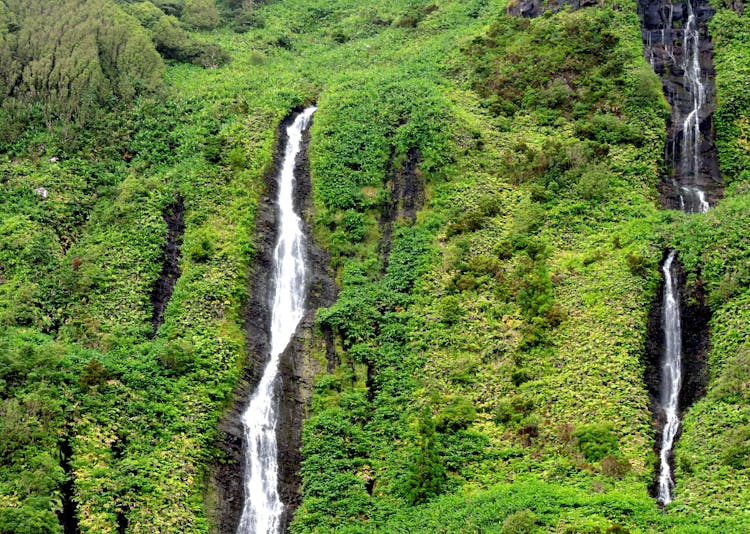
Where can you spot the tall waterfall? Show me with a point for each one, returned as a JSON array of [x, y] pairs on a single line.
[[262, 509], [671, 376], [692, 196], [677, 46]]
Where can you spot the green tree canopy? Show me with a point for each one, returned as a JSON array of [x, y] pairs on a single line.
[[74, 56], [200, 14]]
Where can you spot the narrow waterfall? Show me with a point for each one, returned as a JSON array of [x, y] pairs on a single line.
[[677, 46], [263, 507], [676, 43], [692, 196], [671, 376]]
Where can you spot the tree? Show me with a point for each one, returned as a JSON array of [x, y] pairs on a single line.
[[74, 57], [200, 14], [426, 474]]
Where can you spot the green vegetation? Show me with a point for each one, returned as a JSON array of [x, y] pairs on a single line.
[[72, 58], [490, 338]]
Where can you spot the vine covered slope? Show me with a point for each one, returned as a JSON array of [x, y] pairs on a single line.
[[486, 187]]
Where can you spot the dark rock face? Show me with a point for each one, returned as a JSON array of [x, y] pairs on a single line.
[[536, 8], [695, 316], [407, 197], [297, 366], [170, 271], [669, 46]]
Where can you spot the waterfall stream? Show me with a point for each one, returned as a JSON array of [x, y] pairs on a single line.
[[671, 376], [676, 45], [263, 508]]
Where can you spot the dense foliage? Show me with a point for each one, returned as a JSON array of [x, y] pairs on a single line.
[[486, 188], [73, 57]]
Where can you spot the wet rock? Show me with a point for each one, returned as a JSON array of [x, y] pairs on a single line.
[[407, 197], [170, 272], [666, 47], [694, 316]]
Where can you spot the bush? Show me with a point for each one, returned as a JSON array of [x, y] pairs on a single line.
[[594, 182], [521, 522], [637, 264], [201, 247], [597, 441], [513, 410], [426, 475], [733, 385], [94, 375], [456, 416], [200, 14], [615, 467], [355, 225], [450, 310], [737, 452], [176, 357]]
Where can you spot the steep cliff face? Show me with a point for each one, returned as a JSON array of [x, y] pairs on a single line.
[[671, 50]]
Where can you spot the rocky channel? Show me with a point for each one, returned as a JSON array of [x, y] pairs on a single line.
[[299, 363]]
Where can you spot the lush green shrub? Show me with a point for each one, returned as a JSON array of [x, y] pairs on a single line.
[[426, 475], [737, 452], [176, 356], [94, 375], [459, 414], [597, 441], [200, 14], [521, 522], [615, 467]]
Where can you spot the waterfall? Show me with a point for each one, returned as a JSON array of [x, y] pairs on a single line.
[[691, 67], [676, 45], [692, 197], [671, 376], [262, 510]]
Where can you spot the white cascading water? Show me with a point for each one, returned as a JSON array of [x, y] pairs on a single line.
[[692, 199], [694, 85], [262, 509], [671, 376]]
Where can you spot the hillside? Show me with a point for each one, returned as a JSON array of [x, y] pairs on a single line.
[[486, 191]]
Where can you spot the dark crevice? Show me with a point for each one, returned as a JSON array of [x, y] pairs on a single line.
[[332, 359], [174, 216], [406, 198], [122, 522], [118, 447], [68, 514]]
